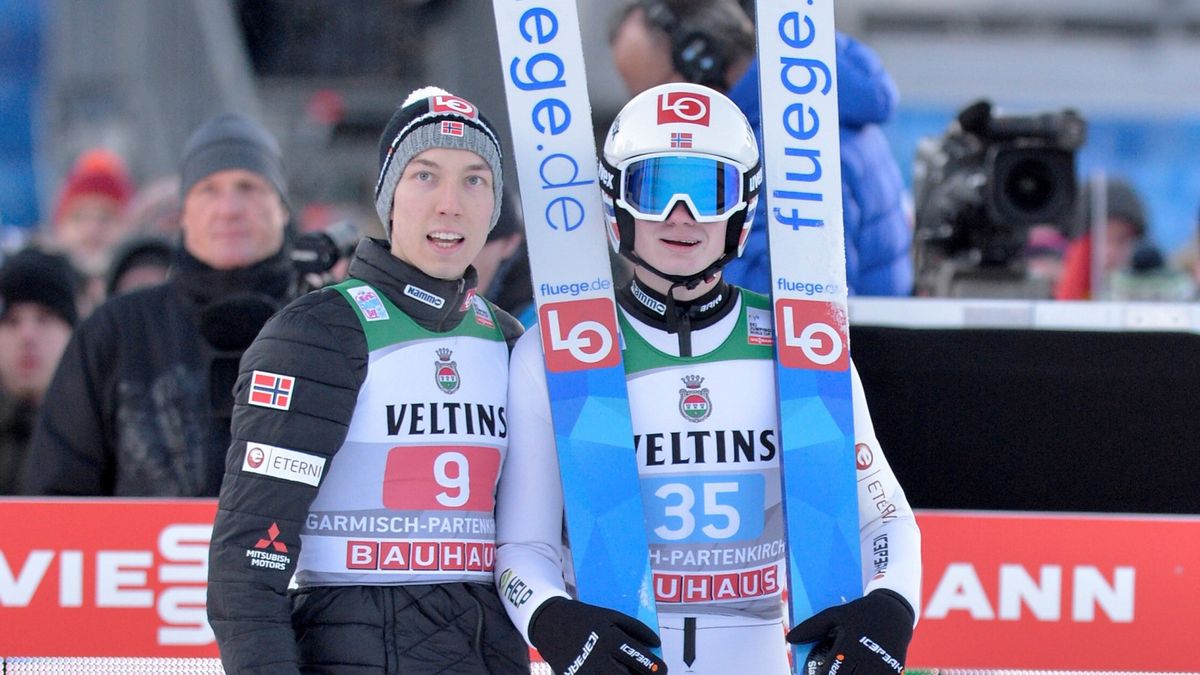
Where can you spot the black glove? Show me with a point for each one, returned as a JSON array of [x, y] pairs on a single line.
[[593, 640], [867, 636]]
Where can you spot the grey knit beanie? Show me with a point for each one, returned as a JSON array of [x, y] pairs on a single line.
[[433, 118], [232, 141]]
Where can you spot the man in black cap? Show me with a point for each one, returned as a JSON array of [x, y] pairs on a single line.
[[38, 310], [369, 434], [143, 395]]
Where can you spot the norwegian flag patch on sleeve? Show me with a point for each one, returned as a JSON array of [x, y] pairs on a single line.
[[270, 390]]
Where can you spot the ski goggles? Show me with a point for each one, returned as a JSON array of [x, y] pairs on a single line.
[[713, 189]]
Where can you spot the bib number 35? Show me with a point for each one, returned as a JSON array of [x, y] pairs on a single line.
[[694, 509]]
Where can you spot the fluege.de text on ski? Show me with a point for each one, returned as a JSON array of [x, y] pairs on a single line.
[[802, 122]]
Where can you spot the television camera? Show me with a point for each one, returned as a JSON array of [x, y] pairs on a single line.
[[980, 187]]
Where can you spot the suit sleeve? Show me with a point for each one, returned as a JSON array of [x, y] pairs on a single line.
[[71, 451], [316, 341], [529, 505], [890, 538]]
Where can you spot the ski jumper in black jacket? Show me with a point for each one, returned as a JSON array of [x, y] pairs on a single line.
[[385, 583]]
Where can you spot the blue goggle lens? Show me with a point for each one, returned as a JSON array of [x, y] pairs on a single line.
[[652, 186]]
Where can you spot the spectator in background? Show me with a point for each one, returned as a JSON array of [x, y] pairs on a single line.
[[140, 262], [90, 217], [143, 396], [38, 309], [155, 207], [878, 236], [1123, 220]]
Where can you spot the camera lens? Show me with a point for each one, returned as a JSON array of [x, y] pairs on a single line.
[[1029, 184]]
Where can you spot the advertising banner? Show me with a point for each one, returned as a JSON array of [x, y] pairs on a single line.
[[125, 578], [1069, 592], [105, 577]]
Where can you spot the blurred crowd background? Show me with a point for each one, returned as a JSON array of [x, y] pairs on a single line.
[[134, 77]]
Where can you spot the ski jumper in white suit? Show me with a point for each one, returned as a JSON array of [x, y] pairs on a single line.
[[706, 432]]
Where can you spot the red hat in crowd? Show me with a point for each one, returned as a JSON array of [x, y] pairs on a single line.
[[96, 172]]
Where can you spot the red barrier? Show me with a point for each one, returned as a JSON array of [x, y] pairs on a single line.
[[1000, 590], [1044, 591], [136, 568]]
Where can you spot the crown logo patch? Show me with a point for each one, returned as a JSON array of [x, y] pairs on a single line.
[[446, 371], [694, 404]]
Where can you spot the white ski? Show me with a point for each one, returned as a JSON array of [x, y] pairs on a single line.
[[555, 152], [796, 51]]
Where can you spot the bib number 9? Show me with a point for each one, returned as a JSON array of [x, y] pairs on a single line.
[[459, 483], [693, 509], [440, 478]]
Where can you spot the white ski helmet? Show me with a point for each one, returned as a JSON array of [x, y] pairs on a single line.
[[680, 142]]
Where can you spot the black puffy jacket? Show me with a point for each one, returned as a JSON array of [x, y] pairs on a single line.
[[140, 403], [456, 628]]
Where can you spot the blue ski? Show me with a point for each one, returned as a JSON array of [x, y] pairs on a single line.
[[555, 152], [796, 51]]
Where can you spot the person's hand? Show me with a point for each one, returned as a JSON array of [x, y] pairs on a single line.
[[593, 640], [867, 636]]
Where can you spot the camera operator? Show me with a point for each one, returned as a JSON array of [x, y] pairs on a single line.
[[1110, 212], [143, 396], [980, 189]]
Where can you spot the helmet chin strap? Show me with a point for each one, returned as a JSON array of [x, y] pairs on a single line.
[[687, 281], [680, 323]]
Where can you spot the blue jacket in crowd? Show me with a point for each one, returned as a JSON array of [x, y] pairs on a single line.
[[878, 237]]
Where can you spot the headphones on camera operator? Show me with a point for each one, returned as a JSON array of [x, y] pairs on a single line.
[[694, 53]]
